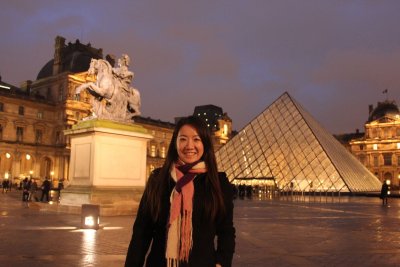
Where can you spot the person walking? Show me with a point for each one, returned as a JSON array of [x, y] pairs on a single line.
[[46, 186], [5, 185], [25, 189], [32, 190], [384, 193], [185, 205]]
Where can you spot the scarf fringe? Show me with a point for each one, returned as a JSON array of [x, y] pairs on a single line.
[[172, 263], [179, 229]]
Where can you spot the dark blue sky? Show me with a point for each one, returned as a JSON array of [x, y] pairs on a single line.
[[334, 57]]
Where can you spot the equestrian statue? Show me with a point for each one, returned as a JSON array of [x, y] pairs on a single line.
[[113, 97]]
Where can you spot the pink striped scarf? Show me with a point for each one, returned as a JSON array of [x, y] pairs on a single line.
[[179, 229]]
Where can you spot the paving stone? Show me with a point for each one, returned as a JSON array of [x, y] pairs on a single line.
[[350, 231]]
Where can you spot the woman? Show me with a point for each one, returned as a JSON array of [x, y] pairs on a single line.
[[185, 205]]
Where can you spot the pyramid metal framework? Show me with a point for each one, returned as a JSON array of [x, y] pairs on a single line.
[[287, 144]]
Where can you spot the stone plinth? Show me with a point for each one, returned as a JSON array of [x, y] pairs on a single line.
[[107, 166]]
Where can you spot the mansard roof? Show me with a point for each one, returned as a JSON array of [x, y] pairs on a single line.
[[75, 57], [384, 109]]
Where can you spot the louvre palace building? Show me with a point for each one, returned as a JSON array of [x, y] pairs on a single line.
[[283, 147], [379, 148], [34, 116]]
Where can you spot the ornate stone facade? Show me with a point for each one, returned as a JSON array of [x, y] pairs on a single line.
[[379, 148], [33, 118]]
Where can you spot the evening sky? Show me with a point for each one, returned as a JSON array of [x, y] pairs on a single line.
[[334, 57]]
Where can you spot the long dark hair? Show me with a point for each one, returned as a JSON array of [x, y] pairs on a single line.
[[214, 203]]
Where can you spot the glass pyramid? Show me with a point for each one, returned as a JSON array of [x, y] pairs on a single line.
[[286, 144]]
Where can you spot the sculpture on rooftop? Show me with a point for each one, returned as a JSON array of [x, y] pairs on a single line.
[[114, 98]]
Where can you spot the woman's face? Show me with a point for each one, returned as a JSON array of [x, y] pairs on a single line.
[[189, 145]]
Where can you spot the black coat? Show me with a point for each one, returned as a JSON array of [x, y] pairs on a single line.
[[203, 253]]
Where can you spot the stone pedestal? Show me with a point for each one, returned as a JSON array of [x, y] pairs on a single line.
[[107, 167]]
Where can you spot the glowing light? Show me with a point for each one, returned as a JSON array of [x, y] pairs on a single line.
[[89, 221], [28, 157], [8, 155]]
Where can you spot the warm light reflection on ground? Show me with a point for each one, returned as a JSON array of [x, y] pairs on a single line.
[[88, 247]]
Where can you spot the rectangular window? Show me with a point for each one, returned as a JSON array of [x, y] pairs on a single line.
[[21, 110], [376, 161], [375, 146], [387, 159], [398, 145], [362, 159], [163, 152], [40, 115], [38, 136], [58, 137], [1, 106], [153, 151], [20, 134]]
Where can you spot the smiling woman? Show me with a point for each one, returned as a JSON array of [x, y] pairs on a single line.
[[189, 145], [189, 198]]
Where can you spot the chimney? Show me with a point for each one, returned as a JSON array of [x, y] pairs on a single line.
[[58, 49]]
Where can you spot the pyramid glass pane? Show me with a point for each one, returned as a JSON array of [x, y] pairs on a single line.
[[286, 143]]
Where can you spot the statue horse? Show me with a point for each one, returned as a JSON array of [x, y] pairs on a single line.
[[112, 100]]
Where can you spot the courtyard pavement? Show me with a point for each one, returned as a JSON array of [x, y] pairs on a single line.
[[317, 231]]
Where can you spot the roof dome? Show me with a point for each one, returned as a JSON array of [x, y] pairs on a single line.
[[384, 109], [74, 58]]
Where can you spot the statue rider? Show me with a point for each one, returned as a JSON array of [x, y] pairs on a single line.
[[122, 73]]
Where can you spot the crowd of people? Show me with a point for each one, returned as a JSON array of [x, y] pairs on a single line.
[[31, 190]]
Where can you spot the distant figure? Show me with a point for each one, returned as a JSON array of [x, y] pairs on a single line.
[[6, 185], [32, 190], [384, 193], [46, 186], [25, 189]]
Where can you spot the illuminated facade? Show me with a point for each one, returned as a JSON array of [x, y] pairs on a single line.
[[157, 147], [34, 117], [379, 148], [286, 144], [31, 139], [218, 121]]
